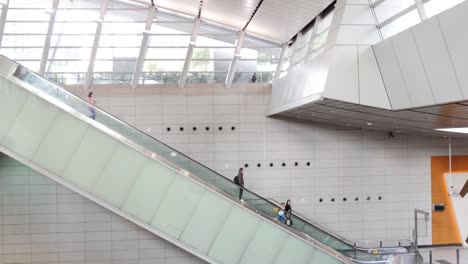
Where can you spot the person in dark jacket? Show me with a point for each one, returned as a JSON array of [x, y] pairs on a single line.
[[288, 211], [240, 181]]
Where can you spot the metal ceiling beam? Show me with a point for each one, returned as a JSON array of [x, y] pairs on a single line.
[[279, 67], [3, 17], [235, 59], [188, 57], [144, 46], [89, 73], [50, 29]]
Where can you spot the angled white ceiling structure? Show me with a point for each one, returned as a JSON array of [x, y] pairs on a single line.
[[275, 20]]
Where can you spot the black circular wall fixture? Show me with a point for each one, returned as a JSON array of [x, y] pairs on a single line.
[[283, 164], [356, 199], [259, 165], [233, 128], [308, 163], [246, 165], [220, 128], [296, 163], [333, 199], [207, 128], [320, 200], [368, 198], [168, 129], [271, 164], [345, 199], [194, 128], [380, 198], [181, 129]]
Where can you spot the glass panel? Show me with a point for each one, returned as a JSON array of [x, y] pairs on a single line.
[[434, 7], [119, 65], [166, 53], [120, 41], [388, 9], [148, 191], [22, 53], [30, 28], [69, 53], [23, 40], [169, 41], [11, 103], [163, 65], [116, 53], [29, 4], [159, 77], [206, 77], [66, 77], [123, 28], [137, 15], [27, 15], [64, 15], [402, 23], [73, 41], [67, 66], [74, 28]]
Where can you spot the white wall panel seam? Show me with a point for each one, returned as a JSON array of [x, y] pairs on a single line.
[[401, 73], [450, 57], [423, 67]]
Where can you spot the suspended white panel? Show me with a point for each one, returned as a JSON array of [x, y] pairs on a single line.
[[391, 74], [302, 252], [149, 190], [206, 222], [119, 175], [412, 69], [436, 59], [176, 210], [30, 126], [371, 88], [90, 158], [235, 236], [453, 23], [11, 102], [60, 143], [342, 82], [265, 245]]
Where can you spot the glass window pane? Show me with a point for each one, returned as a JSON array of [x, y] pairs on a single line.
[[388, 9], [27, 15], [326, 22], [121, 41], [32, 65], [77, 15], [123, 28], [136, 15], [17, 28], [74, 28], [76, 40], [163, 66], [30, 4], [216, 41], [70, 53], [22, 53], [119, 66], [116, 53], [172, 27], [169, 41], [434, 7], [23, 40], [68, 66], [80, 4], [402, 23], [166, 53]]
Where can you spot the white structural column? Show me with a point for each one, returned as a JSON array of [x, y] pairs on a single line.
[[50, 29], [188, 58], [313, 36], [235, 59], [97, 36], [3, 17], [421, 10], [279, 68], [144, 46]]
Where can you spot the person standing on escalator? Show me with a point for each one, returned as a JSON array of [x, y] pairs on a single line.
[[91, 108], [288, 211], [240, 181]]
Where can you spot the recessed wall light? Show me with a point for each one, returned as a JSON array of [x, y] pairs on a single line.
[[369, 124]]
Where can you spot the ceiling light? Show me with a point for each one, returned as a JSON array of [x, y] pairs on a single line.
[[369, 124], [463, 130]]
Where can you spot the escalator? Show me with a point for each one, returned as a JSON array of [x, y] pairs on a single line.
[[153, 185]]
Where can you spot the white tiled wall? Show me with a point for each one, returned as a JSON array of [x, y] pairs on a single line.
[[342, 164], [43, 222]]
